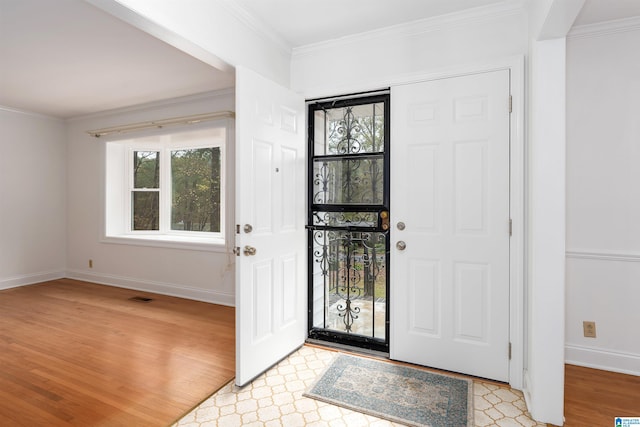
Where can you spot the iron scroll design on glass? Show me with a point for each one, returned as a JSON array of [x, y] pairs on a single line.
[[348, 242], [350, 262]]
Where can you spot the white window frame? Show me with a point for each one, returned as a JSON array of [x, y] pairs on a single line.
[[119, 187]]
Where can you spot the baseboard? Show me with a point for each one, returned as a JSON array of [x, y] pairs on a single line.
[[30, 279], [171, 289], [606, 360]]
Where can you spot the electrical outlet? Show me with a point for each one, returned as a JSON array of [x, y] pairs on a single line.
[[589, 329], [90, 263]]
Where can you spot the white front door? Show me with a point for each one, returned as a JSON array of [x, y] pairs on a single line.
[[450, 189], [270, 213]]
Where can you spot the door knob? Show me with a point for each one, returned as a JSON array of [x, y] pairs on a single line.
[[401, 245], [249, 250]]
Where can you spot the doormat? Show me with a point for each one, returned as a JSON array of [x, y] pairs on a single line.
[[396, 393]]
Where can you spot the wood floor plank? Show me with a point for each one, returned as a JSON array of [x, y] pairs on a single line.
[[594, 397], [74, 353]]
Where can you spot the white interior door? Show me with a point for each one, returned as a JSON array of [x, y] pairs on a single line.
[[270, 213], [450, 188]]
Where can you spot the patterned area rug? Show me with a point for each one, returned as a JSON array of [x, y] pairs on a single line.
[[396, 393]]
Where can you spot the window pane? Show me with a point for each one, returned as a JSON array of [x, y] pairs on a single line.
[[195, 184], [146, 208], [354, 129], [146, 169], [348, 181]]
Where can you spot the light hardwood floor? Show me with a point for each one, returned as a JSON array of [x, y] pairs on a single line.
[[593, 397], [79, 354]]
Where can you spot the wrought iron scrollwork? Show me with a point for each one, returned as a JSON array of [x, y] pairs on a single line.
[[345, 219], [348, 191], [350, 263], [345, 133]]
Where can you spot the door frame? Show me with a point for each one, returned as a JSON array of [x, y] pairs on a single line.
[[517, 252]]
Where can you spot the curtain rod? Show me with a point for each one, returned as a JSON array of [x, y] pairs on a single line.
[[187, 120]]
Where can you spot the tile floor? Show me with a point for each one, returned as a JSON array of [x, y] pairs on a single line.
[[275, 399]]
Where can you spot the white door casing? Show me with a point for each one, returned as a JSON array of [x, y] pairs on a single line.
[[270, 197], [450, 186]]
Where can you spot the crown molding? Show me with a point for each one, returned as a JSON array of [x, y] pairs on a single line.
[[436, 23], [187, 99], [605, 28], [256, 25], [8, 109]]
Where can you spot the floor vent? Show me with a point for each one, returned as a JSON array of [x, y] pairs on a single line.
[[140, 299]]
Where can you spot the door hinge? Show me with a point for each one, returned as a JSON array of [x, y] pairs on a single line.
[[510, 104], [509, 351], [510, 227], [237, 228]]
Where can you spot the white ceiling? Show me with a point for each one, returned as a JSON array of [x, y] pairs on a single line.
[[595, 11], [67, 58]]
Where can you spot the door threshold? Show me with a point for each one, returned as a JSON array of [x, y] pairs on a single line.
[[348, 348]]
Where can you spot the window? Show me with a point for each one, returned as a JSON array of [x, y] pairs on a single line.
[[167, 188]]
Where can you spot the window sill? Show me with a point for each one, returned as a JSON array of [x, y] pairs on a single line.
[[172, 242]]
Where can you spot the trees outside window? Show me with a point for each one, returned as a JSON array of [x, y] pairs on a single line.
[[173, 184]]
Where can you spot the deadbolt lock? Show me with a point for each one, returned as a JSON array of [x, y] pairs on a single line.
[[401, 226], [384, 220], [248, 228]]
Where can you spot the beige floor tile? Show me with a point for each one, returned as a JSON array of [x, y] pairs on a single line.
[[275, 399]]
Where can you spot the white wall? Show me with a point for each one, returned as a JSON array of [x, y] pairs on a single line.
[[381, 58], [32, 198], [202, 275], [603, 196]]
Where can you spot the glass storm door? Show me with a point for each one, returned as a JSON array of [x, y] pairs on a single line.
[[348, 221]]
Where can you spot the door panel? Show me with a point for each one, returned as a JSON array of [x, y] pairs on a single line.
[[450, 188], [270, 284]]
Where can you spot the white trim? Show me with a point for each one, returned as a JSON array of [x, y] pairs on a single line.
[[188, 99], [256, 25], [30, 279], [526, 387], [170, 242], [604, 256], [436, 23], [517, 208], [171, 289], [606, 360], [513, 62], [30, 113], [605, 28]]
